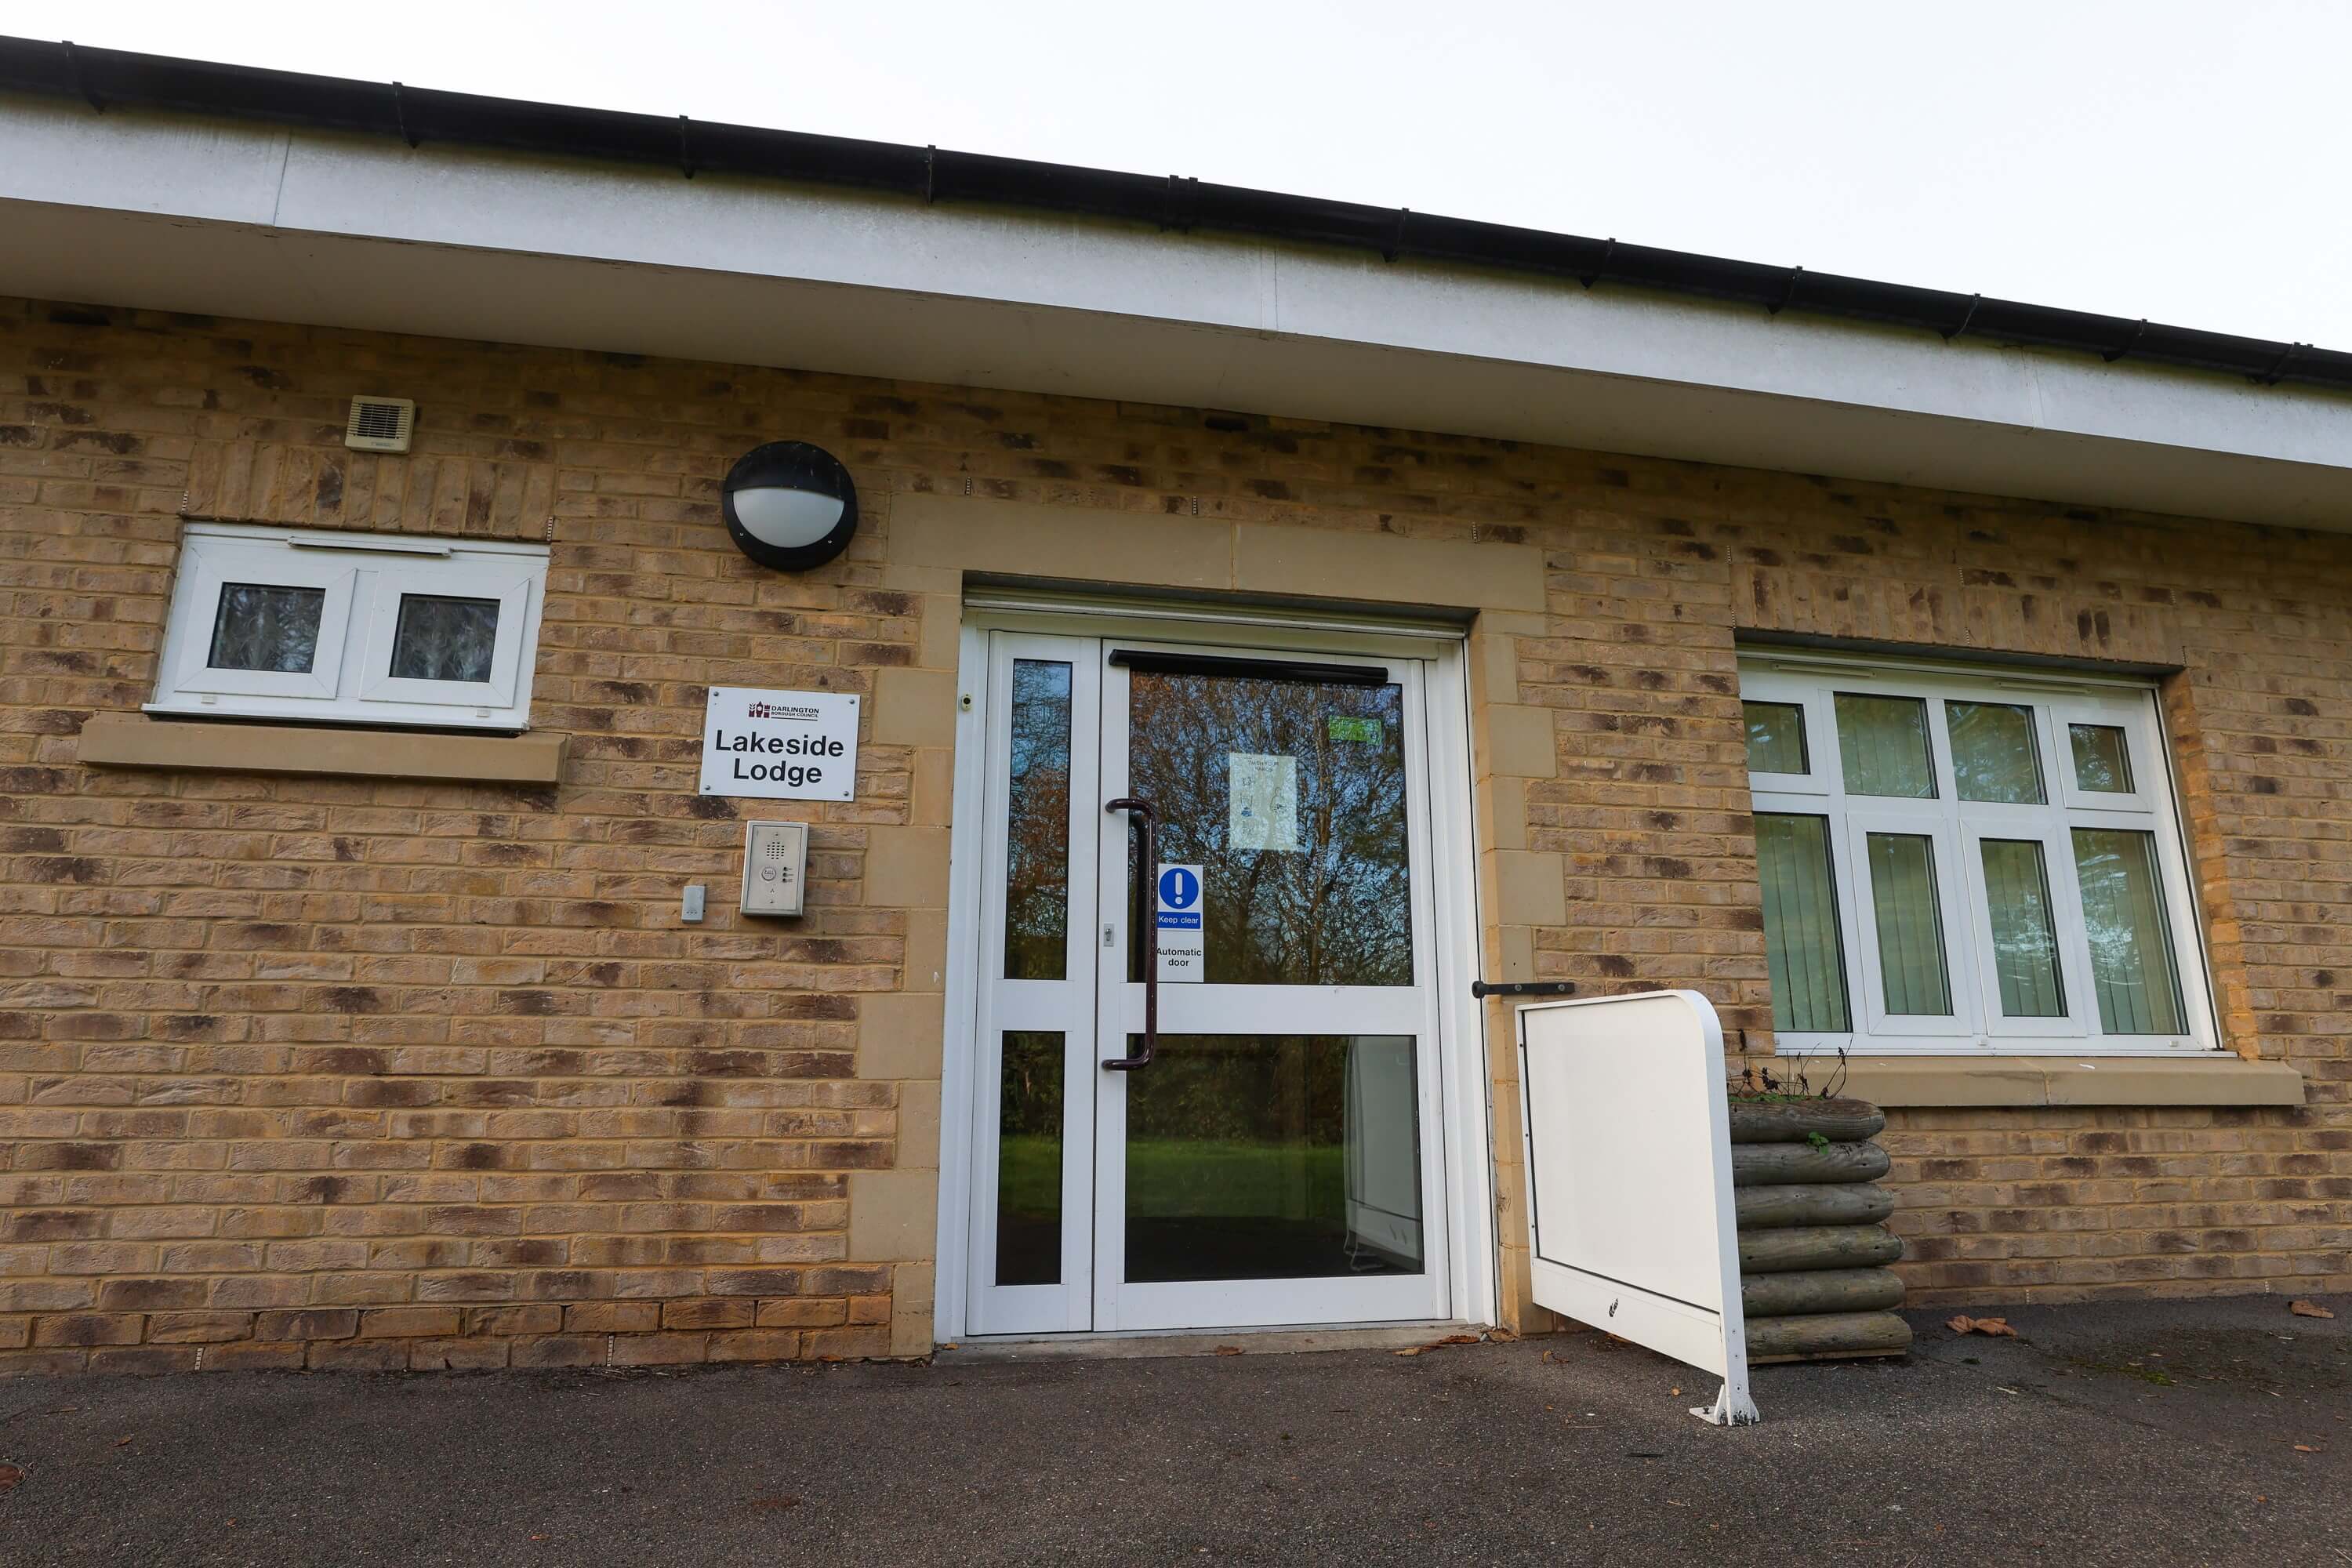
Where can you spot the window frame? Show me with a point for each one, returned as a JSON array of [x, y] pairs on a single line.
[[364, 575], [1958, 828]]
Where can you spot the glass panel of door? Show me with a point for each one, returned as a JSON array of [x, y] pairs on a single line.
[[1208, 1094]]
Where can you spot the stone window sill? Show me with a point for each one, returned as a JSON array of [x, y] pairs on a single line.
[[2207, 1078], [133, 740]]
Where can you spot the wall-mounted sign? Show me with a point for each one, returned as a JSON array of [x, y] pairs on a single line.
[[1181, 940], [780, 745]]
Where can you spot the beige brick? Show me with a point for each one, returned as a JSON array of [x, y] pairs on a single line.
[[612, 1317], [1075, 543], [1521, 743], [410, 1323], [893, 1216], [918, 1126], [898, 1035], [1530, 888], [906, 868], [1435, 571], [914, 707], [659, 1350], [756, 1345], [911, 1291], [456, 1355]]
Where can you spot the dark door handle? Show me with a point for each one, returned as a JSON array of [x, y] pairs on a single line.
[[1140, 818]]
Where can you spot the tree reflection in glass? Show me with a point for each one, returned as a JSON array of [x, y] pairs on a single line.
[[1274, 1157], [1037, 835], [260, 627], [1332, 912], [444, 639]]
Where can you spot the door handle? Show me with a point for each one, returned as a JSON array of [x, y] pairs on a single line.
[[1139, 819]]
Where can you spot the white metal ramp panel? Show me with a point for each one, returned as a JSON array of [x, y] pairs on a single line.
[[1629, 1178]]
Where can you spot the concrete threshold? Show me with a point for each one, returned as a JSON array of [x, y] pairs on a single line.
[[1193, 1343]]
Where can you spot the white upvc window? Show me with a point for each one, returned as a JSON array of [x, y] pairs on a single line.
[[1957, 860], [354, 629]]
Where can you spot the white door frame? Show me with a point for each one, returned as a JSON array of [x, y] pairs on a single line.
[[1466, 1120]]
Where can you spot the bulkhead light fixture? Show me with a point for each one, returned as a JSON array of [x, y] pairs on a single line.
[[789, 506]]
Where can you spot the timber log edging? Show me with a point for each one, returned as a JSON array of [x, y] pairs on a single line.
[[1813, 1251]]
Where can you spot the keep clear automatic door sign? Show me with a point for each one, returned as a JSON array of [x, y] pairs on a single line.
[[1182, 944]]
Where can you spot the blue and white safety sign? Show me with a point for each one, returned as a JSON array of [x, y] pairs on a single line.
[[1181, 933]]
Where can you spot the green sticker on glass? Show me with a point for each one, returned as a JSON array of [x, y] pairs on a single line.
[[1365, 730]]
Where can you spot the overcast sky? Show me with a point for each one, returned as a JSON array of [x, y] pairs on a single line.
[[2182, 160]]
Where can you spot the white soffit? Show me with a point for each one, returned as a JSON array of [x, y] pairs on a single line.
[[221, 217]]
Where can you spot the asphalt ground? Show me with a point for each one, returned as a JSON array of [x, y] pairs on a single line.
[[2212, 1432]]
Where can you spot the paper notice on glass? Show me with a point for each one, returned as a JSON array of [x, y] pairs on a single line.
[[1265, 805]]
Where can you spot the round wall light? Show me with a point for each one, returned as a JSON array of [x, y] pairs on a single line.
[[789, 506]]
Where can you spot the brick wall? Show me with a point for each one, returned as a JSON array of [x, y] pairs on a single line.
[[303, 1071]]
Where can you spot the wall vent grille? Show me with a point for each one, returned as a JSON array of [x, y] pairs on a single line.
[[381, 424]]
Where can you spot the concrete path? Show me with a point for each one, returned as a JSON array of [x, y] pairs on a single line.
[[2111, 1435]]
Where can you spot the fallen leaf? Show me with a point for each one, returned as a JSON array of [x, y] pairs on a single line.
[[10, 1476], [133, 1439], [1229, 1350], [537, 1538], [2308, 1309], [1995, 1327], [1438, 1344], [1501, 1336], [2307, 1449], [1676, 1392]]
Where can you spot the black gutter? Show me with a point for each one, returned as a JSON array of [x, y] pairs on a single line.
[[105, 78]]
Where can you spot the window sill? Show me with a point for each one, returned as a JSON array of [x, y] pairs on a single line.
[[129, 740], [2206, 1079]]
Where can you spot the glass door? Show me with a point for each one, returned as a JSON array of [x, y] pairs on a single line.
[[1276, 1161], [1207, 1092]]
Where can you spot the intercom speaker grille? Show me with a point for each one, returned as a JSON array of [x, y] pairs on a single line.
[[381, 424]]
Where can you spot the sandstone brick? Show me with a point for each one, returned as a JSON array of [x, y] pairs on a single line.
[[144, 1295], [355, 1355], [730, 1313], [514, 1320], [198, 1328], [254, 1356], [143, 1360], [612, 1318], [456, 1355], [755, 1345], [806, 1311], [89, 1328], [559, 1350], [409, 1322], [849, 1344], [316, 1323], [658, 1350]]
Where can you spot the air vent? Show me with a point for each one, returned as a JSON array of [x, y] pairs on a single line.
[[381, 424]]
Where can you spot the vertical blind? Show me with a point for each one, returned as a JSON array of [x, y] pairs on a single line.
[[1883, 741], [2122, 913], [2024, 938], [1903, 893], [1994, 758], [1801, 924]]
